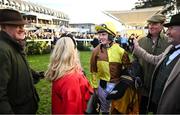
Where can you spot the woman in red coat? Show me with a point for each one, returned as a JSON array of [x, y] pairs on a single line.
[[70, 88]]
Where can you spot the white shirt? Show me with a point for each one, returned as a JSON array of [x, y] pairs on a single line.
[[173, 55]]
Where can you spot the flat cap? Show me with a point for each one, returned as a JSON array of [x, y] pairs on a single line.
[[157, 18]]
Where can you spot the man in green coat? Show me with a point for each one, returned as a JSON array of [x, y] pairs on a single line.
[[154, 43], [17, 93]]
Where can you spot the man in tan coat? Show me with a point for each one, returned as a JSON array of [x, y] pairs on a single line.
[[164, 97]]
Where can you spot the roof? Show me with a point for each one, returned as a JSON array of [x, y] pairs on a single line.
[[33, 7], [136, 17]]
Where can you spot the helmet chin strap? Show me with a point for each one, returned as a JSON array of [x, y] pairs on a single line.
[[108, 45]]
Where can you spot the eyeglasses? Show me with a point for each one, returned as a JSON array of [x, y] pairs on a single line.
[[105, 26]]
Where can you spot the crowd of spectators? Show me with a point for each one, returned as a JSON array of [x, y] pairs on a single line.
[[124, 40]]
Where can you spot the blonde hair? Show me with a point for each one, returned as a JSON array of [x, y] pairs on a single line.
[[64, 59]]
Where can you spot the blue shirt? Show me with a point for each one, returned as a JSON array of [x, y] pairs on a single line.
[[124, 40]]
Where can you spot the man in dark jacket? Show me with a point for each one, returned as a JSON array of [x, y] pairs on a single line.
[[17, 93]]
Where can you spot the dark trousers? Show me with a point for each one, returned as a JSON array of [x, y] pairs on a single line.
[[143, 104], [152, 108]]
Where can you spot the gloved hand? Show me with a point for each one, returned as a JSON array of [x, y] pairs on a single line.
[[118, 91], [37, 75], [103, 84], [41, 74], [138, 82]]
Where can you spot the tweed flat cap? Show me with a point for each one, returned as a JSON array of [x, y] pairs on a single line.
[[157, 18]]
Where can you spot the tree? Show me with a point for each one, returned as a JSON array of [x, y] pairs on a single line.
[[151, 3]]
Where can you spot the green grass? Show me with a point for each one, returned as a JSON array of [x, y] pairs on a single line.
[[40, 63]]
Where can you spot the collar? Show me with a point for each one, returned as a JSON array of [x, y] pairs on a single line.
[[161, 35], [174, 54], [6, 37], [177, 46], [107, 45]]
